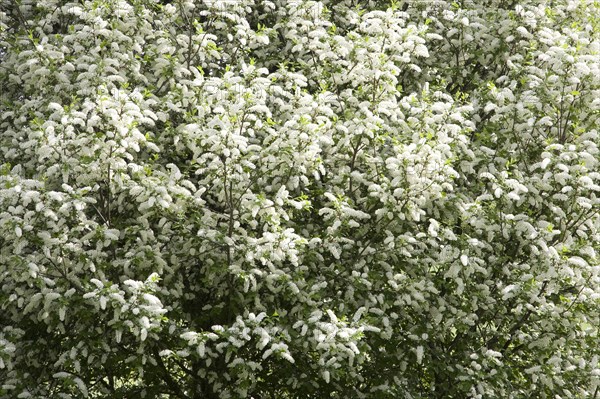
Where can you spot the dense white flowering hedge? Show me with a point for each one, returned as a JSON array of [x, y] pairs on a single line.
[[299, 199]]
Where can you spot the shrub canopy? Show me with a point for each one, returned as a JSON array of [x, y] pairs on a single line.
[[299, 199]]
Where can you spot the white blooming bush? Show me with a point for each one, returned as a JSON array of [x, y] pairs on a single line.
[[299, 199]]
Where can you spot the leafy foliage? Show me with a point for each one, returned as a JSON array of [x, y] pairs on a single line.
[[299, 199]]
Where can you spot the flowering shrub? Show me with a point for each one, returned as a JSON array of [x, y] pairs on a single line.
[[299, 199]]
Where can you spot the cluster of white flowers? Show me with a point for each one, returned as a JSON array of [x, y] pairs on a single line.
[[298, 198]]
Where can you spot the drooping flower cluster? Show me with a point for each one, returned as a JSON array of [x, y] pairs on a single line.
[[299, 199]]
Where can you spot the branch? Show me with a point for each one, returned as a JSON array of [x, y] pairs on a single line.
[[171, 383], [522, 321]]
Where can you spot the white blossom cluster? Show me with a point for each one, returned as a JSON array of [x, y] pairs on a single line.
[[299, 199]]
